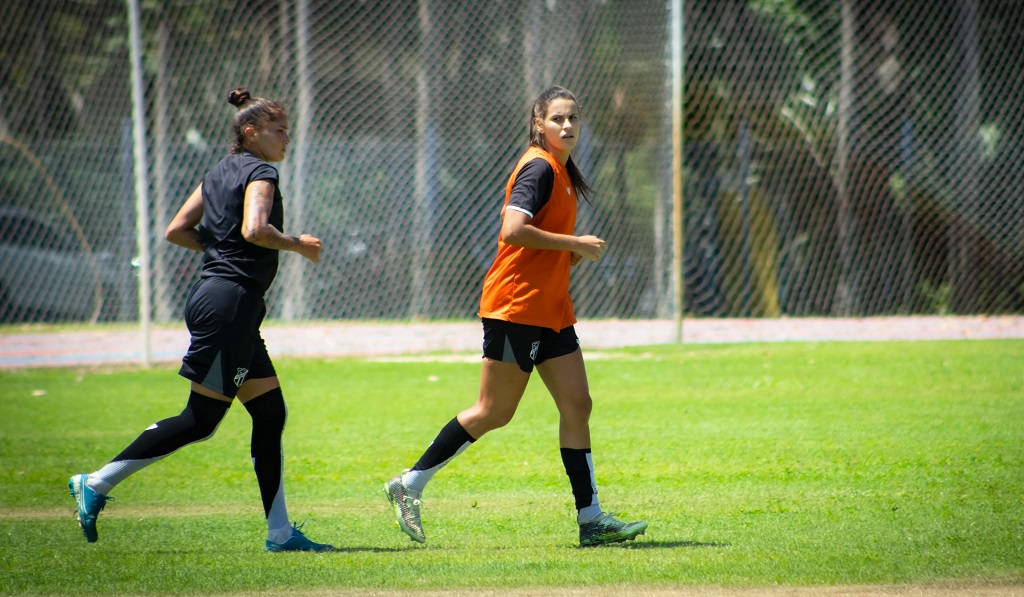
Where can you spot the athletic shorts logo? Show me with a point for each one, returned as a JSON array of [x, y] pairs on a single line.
[[240, 377], [533, 350]]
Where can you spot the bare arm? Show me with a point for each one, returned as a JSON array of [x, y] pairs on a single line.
[[182, 229], [256, 227], [517, 230]]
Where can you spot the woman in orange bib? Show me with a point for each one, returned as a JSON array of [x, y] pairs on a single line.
[[528, 322]]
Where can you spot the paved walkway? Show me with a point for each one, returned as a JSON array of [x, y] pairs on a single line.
[[90, 347]]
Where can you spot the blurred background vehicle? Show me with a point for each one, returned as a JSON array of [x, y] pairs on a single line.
[[47, 274]]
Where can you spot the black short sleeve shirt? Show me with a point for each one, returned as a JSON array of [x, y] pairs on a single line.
[[532, 187], [226, 252]]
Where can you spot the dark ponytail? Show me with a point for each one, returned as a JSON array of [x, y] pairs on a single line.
[[539, 111], [255, 111]]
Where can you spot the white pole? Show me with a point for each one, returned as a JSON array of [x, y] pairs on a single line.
[[676, 15], [296, 299], [141, 180], [846, 296]]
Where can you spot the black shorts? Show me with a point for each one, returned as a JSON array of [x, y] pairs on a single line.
[[224, 319], [527, 345]]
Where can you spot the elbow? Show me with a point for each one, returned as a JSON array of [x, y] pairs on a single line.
[[250, 234], [172, 235], [512, 237]]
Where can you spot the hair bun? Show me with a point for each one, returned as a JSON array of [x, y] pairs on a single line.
[[239, 96]]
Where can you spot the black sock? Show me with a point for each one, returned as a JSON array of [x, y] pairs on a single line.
[[578, 469], [197, 422], [444, 447], [269, 414]]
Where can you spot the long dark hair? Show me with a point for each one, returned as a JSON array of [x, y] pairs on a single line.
[[540, 110], [255, 111]]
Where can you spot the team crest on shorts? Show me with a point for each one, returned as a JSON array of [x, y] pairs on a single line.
[[533, 350], [240, 376]]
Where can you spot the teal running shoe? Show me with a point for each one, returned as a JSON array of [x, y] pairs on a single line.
[[606, 529], [90, 503], [406, 506], [298, 542]]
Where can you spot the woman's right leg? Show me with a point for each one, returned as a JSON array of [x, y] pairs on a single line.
[[197, 422], [213, 318], [502, 386]]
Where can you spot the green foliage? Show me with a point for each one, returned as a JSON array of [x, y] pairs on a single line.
[[756, 465], [937, 297]]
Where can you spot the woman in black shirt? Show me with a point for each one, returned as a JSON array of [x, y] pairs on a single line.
[[235, 218]]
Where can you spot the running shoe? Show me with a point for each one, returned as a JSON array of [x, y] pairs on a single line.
[[607, 529], [406, 505], [90, 503], [298, 542]]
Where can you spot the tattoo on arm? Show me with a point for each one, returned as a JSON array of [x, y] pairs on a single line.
[[259, 201]]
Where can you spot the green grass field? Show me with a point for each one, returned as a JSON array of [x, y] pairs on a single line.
[[756, 465]]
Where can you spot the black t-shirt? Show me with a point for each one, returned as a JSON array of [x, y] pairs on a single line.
[[532, 188], [226, 252]]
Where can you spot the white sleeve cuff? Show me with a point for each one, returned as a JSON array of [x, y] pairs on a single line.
[[519, 209]]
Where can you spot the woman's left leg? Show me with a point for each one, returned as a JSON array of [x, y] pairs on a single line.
[[263, 400], [566, 379]]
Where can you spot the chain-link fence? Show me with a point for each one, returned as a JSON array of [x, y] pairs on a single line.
[[854, 157], [845, 157]]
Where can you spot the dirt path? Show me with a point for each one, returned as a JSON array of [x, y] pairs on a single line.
[[29, 348]]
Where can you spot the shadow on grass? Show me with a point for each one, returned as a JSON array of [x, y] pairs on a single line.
[[641, 544], [368, 549], [435, 548], [659, 544], [203, 551]]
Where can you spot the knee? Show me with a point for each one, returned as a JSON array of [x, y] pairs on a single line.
[[500, 419], [579, 407], [480, 420], [204, 430], [268, 411], [203, 415]]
